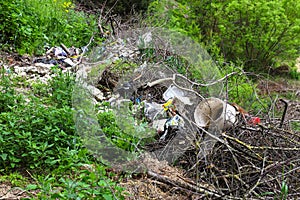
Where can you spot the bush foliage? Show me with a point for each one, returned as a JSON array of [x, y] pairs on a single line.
[[259, 33], [29, 25], [38, 136], [34, 128]]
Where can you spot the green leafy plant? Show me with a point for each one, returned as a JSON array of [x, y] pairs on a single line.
[[15, 179], [28, 26], [294, 74], [284, 190], [295, 126], [125, 132], [255, 32], [38, 135], [78, 180], [243, 91], [34, 132], [8, 96]]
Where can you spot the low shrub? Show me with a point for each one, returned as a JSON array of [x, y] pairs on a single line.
[[28, 26], [37, 135], [32, 132]]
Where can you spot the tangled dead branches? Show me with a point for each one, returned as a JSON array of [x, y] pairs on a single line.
[[251, 163]]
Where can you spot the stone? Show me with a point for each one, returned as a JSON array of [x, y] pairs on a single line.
[[40, 68], [69, 62], [18, 70], [95, 92], [145, 40]]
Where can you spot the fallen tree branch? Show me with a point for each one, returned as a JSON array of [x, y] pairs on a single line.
[[151, 84], [184, 185], [100, 19], [208, 84]]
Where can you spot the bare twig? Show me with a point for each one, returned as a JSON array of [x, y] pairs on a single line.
[[192, 83], [100, 19], [81, 56], [259, 179], [251, 148], [208, 84], [65, 48]]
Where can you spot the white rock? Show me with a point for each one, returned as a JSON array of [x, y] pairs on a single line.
[[82, 72], [124, 54], [23, 74], [145, 40], [41, 68], [95, 92], [69, 62]]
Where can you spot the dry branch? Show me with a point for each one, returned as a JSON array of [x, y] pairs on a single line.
[[182, 184]]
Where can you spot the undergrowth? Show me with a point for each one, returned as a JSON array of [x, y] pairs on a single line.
[[39, 147], [27, 26]]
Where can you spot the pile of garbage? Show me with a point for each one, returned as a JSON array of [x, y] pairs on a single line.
[[40, 68], [239, 154], [216, 142], [176, 112], [62, 56]]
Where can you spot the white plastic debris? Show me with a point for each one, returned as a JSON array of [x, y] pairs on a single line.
[[173, 92], [153, 109], [58, 51], [176, 122], [159, 124]]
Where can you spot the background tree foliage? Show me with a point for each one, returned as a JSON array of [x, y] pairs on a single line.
[[121, 7], [259, 33], [37, 131]]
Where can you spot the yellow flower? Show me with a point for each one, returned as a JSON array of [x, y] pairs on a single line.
[[67, 4]]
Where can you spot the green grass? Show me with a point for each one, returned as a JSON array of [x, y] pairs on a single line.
[[295, 126]]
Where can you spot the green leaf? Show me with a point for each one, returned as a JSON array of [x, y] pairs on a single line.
[[3, 156], [107, 196], [31, 187], [284, 189]]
